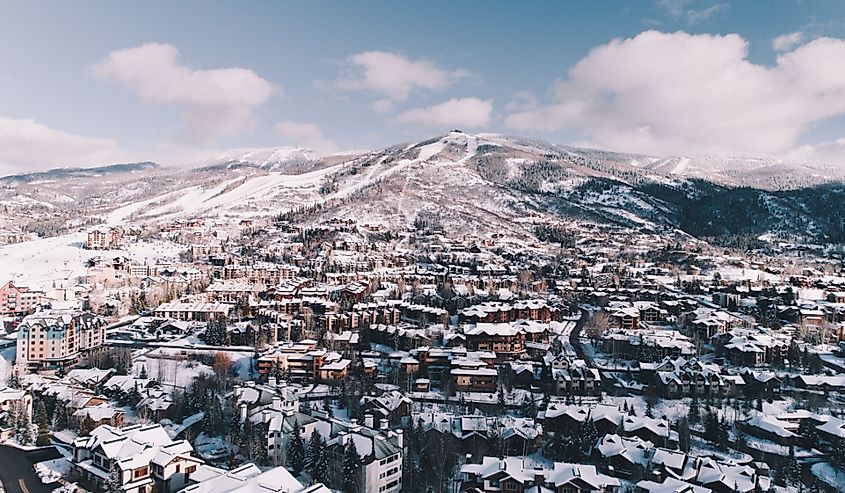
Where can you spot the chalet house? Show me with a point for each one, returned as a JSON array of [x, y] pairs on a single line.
[[392, 406], [519, 475], [762, 383], [102, 414], [574, 377], [473, 376], [247, 478], [623, 457], [147, 460], [626, 318], [771, 428], [656, 431], [505, 339]]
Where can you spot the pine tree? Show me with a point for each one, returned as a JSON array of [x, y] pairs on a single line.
[[87, 426], [589, 435], [114, 484], [318, 458], [143, 375], [60, 419], [296, 451], [694, 415], [351, 464], [683, 435], [43, 438]]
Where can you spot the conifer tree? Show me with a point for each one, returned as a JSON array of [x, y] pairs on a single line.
[[43, 438], [296, 450], [351, 464]]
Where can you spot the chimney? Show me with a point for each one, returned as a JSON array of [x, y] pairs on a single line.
[[277, 403], [271, 381], [383, 424], [399, 438], [369, 421], [242, 408]]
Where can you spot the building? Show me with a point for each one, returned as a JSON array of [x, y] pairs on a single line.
[[18, 300], [520, 475], [145, 458], [247, 478], [104, 238], [198, 311], [56, 338]]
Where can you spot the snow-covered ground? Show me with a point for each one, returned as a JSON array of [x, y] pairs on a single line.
[[51, 471]]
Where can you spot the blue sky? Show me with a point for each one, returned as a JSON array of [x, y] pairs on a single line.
[[84, 83]]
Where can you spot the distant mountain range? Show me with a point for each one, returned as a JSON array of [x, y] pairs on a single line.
[[60, 173], [480, 182]]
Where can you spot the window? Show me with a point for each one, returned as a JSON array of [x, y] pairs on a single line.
[[140, 472], [190, 469]]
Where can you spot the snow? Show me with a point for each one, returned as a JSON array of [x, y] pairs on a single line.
[[51, 471], [37, 263], [681, 167]]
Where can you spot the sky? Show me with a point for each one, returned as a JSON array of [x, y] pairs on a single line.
[[98, 82]]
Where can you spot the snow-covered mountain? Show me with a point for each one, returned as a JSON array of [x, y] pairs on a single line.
[[464, 182], [290, 160]]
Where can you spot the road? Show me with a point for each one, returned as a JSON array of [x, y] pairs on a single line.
[[17, 473], [575, 337]]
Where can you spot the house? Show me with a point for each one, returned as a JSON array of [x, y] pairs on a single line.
[[669, 485], [520, 475], [101, 414], [654, 430], [144, 457], [391, 405], [247, 478], [623, 457]]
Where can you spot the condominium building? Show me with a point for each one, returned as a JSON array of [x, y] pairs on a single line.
[[56, 338]]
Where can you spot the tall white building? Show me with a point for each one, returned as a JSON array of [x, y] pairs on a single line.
[[56, 338]]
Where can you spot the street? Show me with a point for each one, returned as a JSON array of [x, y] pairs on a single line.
[[17, 473]]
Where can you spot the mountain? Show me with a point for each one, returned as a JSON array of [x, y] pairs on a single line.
[[64, 173], [288, 160], [460, 182]]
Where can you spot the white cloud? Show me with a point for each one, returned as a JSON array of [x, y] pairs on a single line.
[[684, 8], [26, 146], [393, 76], [787, 41], [705, 14], [824, 152], [468, 112], [682, 93], [213, 103], [308, 135]]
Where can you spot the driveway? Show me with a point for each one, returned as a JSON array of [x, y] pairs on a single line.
[[16, 469]]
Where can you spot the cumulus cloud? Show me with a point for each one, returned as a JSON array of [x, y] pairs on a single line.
[[393, 76], [213, 103], [464, 112], [26, 145], [787, 41], [682, 93], [308, 135]]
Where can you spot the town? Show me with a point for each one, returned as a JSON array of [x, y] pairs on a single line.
[[342, 356]]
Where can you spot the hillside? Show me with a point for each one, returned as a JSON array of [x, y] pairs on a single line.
[[459, 182]]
